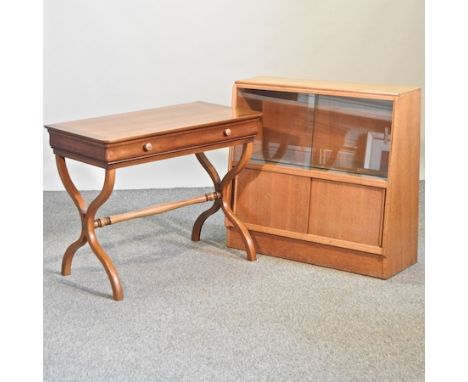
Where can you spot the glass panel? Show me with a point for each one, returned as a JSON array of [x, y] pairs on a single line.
[[286, 137], [317, 131], [352, 134]]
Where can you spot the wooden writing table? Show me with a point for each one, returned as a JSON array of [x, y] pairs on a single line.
[[129, 139]]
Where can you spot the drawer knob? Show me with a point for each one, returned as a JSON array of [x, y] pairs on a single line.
[[227, 132], [148, 147]]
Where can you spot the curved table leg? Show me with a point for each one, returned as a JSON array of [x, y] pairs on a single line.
[[80, 204], [223, 186], [204, 161], [196, 230], [70, 252], [91, 234], [88, 233]]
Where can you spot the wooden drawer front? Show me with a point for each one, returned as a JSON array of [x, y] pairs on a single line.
[[346, 211], [177, 141], [272, 199], [77, 145]]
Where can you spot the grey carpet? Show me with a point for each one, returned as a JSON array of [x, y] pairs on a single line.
[[200, 312]]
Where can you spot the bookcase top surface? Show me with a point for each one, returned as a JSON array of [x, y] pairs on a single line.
[[328, 86]]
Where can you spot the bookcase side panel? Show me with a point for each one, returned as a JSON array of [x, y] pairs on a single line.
[[400, 240]]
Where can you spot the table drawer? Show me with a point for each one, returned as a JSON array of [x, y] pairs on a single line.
[[178, 141]]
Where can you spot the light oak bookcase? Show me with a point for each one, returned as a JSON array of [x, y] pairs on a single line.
[[334, 177]]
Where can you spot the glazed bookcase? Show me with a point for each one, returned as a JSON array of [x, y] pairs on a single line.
[[334, 176]]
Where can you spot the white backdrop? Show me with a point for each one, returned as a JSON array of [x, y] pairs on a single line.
[[110, 56]]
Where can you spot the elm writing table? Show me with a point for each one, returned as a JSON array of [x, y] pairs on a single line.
[[128, 139]]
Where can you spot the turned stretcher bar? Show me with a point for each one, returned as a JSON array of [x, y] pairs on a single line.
[[155, 209]]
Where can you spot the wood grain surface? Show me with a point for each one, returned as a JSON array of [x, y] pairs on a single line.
[[319, 87], [150, 122]]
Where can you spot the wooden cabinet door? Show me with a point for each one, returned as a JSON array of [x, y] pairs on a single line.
[[273, 200], [346, 211]]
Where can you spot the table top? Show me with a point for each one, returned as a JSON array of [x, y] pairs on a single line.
[[150, 122]]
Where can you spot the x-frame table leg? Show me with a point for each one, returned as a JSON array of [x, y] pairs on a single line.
[[88, 214], [88, 234], [223, 186]]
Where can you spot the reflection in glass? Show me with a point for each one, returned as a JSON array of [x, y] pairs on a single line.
[[318, 131], [287, 120], [352, 134]]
